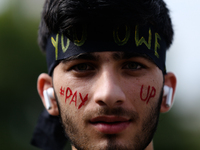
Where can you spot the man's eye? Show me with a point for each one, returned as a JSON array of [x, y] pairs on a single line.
[[132, 65], [82, 67]]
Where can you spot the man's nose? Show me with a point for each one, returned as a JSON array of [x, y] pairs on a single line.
[[108, 89]]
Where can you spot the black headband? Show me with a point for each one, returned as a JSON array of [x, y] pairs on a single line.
[[137, 39]]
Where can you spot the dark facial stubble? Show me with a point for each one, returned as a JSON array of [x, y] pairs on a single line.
[[139, 142]]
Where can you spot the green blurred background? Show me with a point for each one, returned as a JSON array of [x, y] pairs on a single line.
[[22, 62]]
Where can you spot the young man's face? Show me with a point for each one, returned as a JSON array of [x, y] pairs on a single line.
[[109, 100]]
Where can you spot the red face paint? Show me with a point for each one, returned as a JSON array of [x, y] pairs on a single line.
[[83, 100], [68, 94], [74, 98], [148, 97], [141, 91], [62, 91], [152, 94]]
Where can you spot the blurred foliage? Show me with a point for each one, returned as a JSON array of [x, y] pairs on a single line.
[[21, 63], [171, 135]]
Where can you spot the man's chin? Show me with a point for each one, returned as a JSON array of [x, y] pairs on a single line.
[[105, 145]]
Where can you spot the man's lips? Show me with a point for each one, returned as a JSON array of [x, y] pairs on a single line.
[[110, 124]]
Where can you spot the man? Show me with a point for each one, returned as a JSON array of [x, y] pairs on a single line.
[[106, 65]]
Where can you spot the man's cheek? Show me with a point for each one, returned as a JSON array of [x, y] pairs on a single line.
[[147, 93], [73, 98]]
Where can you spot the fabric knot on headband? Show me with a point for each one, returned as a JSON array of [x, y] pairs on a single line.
[[125, 38]]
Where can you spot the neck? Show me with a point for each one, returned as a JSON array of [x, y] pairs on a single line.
[[149, 147]]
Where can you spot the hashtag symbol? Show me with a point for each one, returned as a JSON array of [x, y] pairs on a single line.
[[62, 91]]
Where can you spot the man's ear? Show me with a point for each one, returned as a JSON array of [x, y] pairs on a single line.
[[170, 81], [45, 82]]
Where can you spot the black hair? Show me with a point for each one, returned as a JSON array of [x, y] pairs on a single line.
[[60, 15]]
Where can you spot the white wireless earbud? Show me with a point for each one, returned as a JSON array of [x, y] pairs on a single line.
[[168, 91], [48, 94]]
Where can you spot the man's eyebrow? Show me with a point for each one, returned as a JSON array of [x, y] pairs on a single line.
[[116, 56], [124, 55], [83, 56]]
